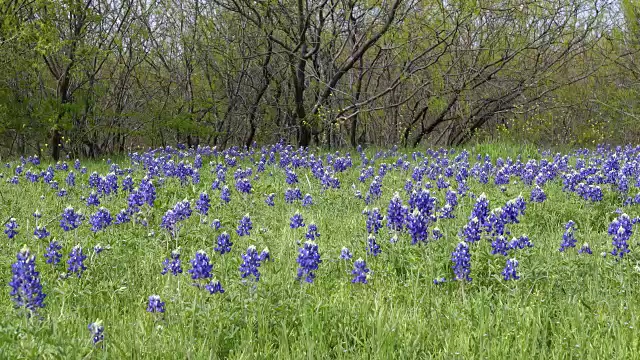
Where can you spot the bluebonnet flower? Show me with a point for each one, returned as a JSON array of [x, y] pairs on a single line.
[[180, 212], [417, 226], [71, 179], [127, 184], [585, 249], [269, 199], [472, 231], [26, 289], [224, 243], [375, 189], [203, 204], [70, 219], [291, 178], [296, 221], [99, 248], [423, 201], [481, 210], [451, 198], [215, 224], [225, 194], [155, 304], [173, 264], [148, 191], [520, 243], [200, 266], [135, 201], [40, 232], [75, 264], [446, 212], [461, 259], [62, 193], [243, 185], [437, 233], [214, 287], [374, 220], [265, 255], [621, 230], [14, 180], [97, 332], [345, 254], [11, 228], [307, 200], [360, 272], [499, 246], [509, 272], [53, 254], [568, 239], [439, 281], [372, 246], [291, 195], [312, 232], [244, 226], [122, 217], [308, 259], [100, 220], [396, 213], [37, 215], [250, 263], [538, 195]]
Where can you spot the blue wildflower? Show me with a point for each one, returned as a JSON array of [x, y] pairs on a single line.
[[345, 254], [396, 213], [621, 230], [265, 255], [93, 200], [585, 249], [250, 263], [307, 200], [568, 239], [439, 281], [53, 254], [312, 232], [172, 264], [224, 243], [75, 264], [70, 219], [200, 266], [296, 221], [203, 204], [308, 259], [100, 220], [155, 304], [244, 226], [11, 228], [509, 272], [461, 259], [372, 246], [40, 232], [269, 199], [214, 287], [225, 194], [26, 289], [360, 272], [97, 332], [538, 195]]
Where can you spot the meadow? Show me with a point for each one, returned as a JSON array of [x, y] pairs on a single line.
[[488, 252]]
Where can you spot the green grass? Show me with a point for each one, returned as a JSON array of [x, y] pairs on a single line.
[[564, 306]]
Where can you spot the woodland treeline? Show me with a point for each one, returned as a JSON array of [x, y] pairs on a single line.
[[94, 77]]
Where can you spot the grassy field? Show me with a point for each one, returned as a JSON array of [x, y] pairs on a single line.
[[565, 304]]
